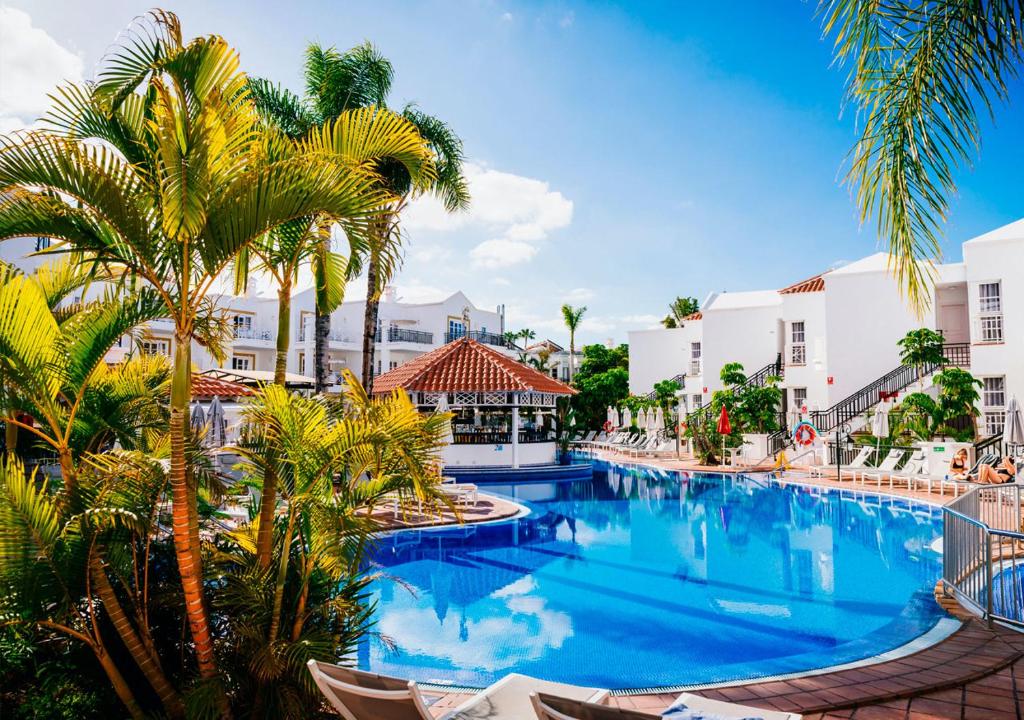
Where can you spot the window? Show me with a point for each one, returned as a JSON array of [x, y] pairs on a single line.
[[695, 358], [456, 328], [990, 312], [155, 347], [302, 363], [378, 367], [241, 362], [993, 402], [42, 243], [799, 398], [697, 400], [392, 365], [798, 344], [307, 324]]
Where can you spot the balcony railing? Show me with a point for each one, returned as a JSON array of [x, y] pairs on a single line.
[[957, 354], [498, 437], [248, 333], [488, 338], [412, 336]]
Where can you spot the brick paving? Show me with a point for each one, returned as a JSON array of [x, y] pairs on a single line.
[[977, 673]]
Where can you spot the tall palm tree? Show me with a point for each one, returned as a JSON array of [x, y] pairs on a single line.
[[336, 82], [919, 72], [184, 179], [572, 318]]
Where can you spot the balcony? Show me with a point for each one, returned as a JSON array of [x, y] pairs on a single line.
[[259, 335], [410, 336], [487, 338], [957, 355]]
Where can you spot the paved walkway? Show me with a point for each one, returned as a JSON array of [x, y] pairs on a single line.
[[977, 673]]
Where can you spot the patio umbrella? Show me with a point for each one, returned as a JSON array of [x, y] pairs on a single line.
[[1013, 430], [724, 428], [652, 422], [659, 419], [442, 407], [627, 417], [641, 419], [610, 415], [615, 418], [218, 426], [197, 419], [880, 424]]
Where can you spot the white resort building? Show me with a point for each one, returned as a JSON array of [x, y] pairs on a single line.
[[834, 336]]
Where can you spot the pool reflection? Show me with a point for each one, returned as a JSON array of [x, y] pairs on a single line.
[[643, 577]]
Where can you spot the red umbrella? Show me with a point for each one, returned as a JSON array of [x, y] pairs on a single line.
[[724, 426]]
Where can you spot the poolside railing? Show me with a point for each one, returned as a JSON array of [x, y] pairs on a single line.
[[983, 552]]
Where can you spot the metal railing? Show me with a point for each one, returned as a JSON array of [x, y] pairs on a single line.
[[413, 336], [488, 338], [680, 378], [772, 370], [957, 354], [241, 332], [498, 437], [983, 552]]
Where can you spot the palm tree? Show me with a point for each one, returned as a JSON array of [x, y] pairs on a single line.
[[679, 310], [339, 459], [919, 72], [336, 82], [184, 179], [572, 318]]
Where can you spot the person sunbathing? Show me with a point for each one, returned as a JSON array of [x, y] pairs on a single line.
[[1004, 472], [958, 465]]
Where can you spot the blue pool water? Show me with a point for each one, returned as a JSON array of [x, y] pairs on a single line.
[[642, 578]]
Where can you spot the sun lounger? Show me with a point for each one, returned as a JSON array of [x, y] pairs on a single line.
[[686, 707], [965, 485], [886, 467], [359, 695], [857, 465], [909, 472]]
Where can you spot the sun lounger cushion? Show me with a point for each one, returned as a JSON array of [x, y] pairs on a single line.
[[394, 700], [578, 710], [695, 707], [509, 698]]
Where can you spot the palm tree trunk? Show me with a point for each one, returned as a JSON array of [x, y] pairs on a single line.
[[572, 354], [147, 661], [322, 326], [268, 494], [185, 518], [370, 320], [10, 437], [121, 687], [282, 576]]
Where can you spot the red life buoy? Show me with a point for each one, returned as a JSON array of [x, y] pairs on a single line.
[[608, 425], [804, 433], [682, 427]]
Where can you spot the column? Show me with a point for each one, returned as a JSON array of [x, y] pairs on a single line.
[[515, 430]]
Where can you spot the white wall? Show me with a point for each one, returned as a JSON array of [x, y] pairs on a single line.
[[660, 354], [475, 455], [808, 308], [750, 336]]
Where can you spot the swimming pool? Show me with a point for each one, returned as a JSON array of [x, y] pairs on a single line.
[[644, 578]]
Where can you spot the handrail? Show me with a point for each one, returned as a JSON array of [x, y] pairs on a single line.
[[981, 558], [680, 378], [758, 379]]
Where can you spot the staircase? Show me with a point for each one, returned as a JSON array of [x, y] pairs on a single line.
[[758, 379], [893, 382], [680, 378]]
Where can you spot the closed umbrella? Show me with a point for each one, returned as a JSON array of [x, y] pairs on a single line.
[[641, 419], [880, 424], [217, 436], [610, 415], [1013, 430], [652, 422], [627, 417], [442, 407], [659, 418], [724, 428], [197, 419]]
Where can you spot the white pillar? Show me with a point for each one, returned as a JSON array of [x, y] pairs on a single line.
[[515, 430]]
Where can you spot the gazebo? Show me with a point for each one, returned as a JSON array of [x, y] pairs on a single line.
[[501, 407]]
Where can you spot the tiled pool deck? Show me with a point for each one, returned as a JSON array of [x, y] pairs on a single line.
[[976, 673]]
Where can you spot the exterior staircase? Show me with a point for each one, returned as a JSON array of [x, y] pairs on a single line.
[[857, 404], [758, 379], [680, 378]]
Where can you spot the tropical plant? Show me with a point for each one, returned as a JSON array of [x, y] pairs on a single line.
[[542, 361], [572, 318], [680, 309], [182, 180], [921, 348], [602, 380], [919, 74], [338, 460], [337, 82], [958, 397]]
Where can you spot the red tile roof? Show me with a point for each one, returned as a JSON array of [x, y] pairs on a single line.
[[810, 285], [206, 386], [468, 366], [694, 316]]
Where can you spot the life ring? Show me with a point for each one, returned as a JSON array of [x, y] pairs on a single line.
[[608, 425], [804, 433], [682, 427]]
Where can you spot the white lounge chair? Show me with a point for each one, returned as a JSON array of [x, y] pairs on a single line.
[[886, 467], [686, 706], [359, 695], [857, 465], [910, 472]]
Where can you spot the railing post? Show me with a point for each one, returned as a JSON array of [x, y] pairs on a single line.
[[988, 578]]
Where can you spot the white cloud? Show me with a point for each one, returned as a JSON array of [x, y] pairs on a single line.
[[578, 295], [32, 64], [517, 212], [502, 253]]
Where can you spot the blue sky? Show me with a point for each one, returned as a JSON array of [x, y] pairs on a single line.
[[622, 153]]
